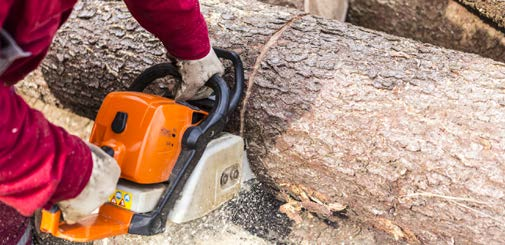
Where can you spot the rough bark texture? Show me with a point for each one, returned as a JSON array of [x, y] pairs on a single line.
[[441, 22], [492, 10], [411, 137]]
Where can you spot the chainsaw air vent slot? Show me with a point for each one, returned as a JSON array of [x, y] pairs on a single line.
[[197, 117], [119, 122]]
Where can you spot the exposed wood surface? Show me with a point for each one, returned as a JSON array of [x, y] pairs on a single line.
[[410, 137]]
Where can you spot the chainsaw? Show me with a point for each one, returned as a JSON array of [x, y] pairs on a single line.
[[176, 162]]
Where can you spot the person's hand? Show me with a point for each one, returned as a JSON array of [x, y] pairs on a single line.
[[101, 185], [195, 73]]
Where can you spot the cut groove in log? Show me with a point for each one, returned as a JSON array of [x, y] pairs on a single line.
[[404, 134], [250, 82]]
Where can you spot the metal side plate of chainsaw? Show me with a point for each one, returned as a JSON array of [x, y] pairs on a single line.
[[215, 180]]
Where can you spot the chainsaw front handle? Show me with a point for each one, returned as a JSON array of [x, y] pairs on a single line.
[[239, 76], [216, 120], [161, 70]]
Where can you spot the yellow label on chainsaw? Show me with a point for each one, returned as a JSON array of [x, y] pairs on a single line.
[[122, 199]]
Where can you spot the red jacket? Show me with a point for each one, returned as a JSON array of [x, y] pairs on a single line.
[[40, 163]]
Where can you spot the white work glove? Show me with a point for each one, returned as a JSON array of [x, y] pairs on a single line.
[[195, 73], [101, 184]]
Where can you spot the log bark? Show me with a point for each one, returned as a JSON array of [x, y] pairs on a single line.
[[409, 136]]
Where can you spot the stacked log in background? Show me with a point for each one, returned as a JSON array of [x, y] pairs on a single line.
[[492, 10], [444, 23], [478, 28]]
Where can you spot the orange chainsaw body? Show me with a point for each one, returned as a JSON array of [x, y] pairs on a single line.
[[143, 132]]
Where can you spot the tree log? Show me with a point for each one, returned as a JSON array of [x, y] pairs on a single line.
[[478, 29], [409, 136], [493, 11], [444, 23]]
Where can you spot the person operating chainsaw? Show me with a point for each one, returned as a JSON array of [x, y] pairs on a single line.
[[41, 164]]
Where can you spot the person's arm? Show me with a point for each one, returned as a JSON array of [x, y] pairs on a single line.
[[177, 23], [181, 28], [40, 164]]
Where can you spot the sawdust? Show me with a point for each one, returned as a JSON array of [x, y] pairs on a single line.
[[250, 218]]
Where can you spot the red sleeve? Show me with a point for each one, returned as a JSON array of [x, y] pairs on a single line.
[[177, 23], [5, 5], [40, 163]]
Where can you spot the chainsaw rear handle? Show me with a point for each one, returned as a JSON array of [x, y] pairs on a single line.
[[164, 69]]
